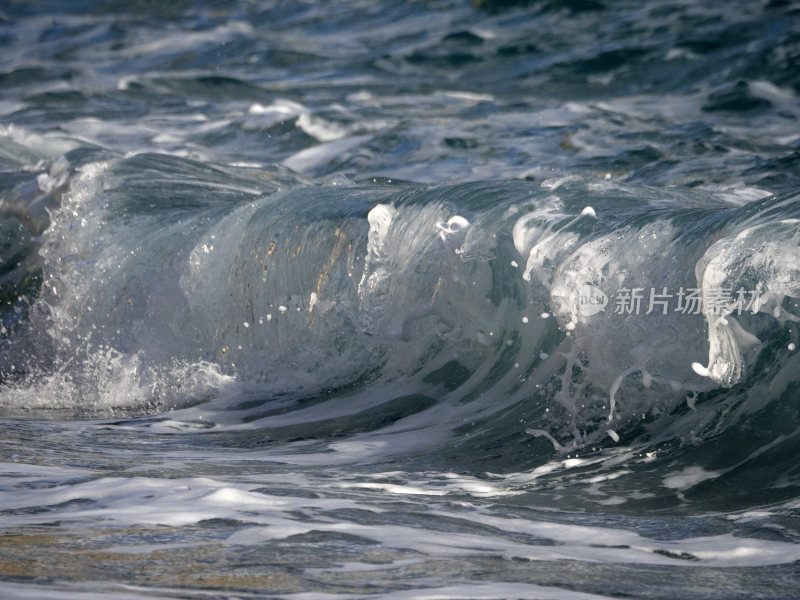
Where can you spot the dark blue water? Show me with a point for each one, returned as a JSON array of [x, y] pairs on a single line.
[[400, 300]]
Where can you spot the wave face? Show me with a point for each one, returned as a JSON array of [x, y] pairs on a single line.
[[472, 300], [574, 311]]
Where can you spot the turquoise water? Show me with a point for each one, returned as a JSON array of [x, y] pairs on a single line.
[[399, 300]]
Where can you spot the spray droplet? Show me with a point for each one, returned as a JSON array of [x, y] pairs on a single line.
[[700, 369]]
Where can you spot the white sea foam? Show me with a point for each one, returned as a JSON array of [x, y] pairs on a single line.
[[305, 160], [688, 477]]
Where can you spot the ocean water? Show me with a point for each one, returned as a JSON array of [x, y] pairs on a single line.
[[422, 299]]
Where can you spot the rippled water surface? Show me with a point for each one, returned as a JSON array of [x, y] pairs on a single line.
[[400, 299]]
